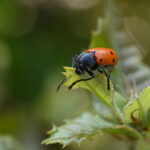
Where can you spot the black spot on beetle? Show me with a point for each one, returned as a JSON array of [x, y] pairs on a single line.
[[101, 59], [113, 60], [111, 53]]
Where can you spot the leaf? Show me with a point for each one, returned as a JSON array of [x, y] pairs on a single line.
[[77, 130], [97, 85], [144, 99], [132, 109], [139, 107], [86, 127], [118, 103], [123, 130], [102, 109]]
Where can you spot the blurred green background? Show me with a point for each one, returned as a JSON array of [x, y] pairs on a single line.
[[38, 38]]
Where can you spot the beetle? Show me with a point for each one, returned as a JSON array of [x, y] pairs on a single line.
[[101, 59]]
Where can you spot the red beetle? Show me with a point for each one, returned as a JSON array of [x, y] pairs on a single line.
[[101, 59]]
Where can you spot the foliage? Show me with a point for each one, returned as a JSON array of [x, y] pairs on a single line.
[[88, 125], [129, 119]]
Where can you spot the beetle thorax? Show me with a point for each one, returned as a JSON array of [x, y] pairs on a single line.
[[84, 61]]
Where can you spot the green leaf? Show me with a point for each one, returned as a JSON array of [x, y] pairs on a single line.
[[86, 127], [102, 109], [123, 130], [77, 130], [118, 103], [139, 108], [144, 99], [132, 109], [98, 85]]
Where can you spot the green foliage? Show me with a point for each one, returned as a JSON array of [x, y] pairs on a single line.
[[124, 119], [123, 122], [86, 127], [77, 130], [138, 109], [97, 86]]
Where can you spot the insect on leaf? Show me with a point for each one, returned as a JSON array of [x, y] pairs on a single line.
[[98, 85]]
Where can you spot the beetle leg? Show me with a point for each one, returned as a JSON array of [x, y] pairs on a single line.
[[86, 79], [60, 84], [100, 70], [107, 76]]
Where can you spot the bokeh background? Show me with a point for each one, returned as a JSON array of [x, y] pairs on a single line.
[[38, 38]]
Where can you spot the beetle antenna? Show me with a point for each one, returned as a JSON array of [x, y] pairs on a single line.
[[60, 84]]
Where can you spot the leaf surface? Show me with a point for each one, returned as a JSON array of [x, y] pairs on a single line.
[[98, 86], [86, 127], [138, 108]]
